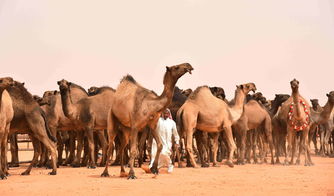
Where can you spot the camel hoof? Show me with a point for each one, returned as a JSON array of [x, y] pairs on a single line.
[[75, 165], [91, 167], [239, 162], [13, 165], [52, 173], [215, 165], [3, 177], [132, 177], [105, 174], [25, 173], [180, 166], [230, 164], [205, 165], [297, 162], [154, 170]]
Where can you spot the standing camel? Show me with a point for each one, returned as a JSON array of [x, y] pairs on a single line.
[[135, 107], [295, 112], [90, 113], [323, 119], [207, 113], [6, 116], [29, 118]]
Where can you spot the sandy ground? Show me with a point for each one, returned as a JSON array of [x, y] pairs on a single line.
[[249, 179]]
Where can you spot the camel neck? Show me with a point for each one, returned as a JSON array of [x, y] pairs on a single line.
[[239, 98], [67, 104], [295, 96], [167, 94], [325, 114], [274, 108]]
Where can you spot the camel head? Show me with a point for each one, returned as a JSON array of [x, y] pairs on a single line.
[[314, 102], [280, 98], [294, 85], [330, 96], [64, 84], [175, 72], [218, 92], [7, 81], [187, 92], [246, 88], [40, 100], [92, 90]]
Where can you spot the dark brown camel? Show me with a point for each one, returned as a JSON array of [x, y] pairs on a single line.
[[29, 118]]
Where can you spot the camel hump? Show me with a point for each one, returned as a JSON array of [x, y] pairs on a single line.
[[198, 90], [129, 78]]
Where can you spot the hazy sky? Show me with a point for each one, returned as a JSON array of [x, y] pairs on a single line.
[[94, 43]]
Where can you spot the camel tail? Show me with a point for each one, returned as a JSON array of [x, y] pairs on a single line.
[[52, 138]]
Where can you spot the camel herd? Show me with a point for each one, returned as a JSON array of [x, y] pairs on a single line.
[[123, 122]]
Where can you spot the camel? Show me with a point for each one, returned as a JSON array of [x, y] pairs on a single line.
[[254, 116], [323, 119], [313, 136], [295, 113], [29, 118], [207, 113], [135, 107], [6, 116], [90, 114]]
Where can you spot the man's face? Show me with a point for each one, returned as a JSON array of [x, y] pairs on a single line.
[[165, 114]]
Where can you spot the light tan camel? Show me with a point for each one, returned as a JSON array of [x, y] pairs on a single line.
[[205, 112], [135, 107], [296, 113], [6, 116]]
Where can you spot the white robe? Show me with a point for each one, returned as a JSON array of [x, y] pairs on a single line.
[[166, 129]]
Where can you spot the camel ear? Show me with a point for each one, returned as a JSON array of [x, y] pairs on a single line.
[[327, 95], [55, 92], [23, 83], [58, 82], [241, 86], [69, 83], [167, 68]]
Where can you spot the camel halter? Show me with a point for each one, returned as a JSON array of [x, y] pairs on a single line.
[[293, 123]]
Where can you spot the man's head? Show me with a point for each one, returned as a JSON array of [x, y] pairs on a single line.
[[166, 114]]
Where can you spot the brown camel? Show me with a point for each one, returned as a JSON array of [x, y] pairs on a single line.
[[90, 114], [323, 119], [29, 118], [207, 113], [135, 107], [295, 113], [6, 116], [313, 136], [254, 117]]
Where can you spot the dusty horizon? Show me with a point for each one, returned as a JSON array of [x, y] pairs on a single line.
[[228, 43]]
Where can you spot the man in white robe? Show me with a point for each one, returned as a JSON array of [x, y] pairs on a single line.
[[166, 128]]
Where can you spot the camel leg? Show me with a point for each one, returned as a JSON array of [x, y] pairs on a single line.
[[305, 146], [231, 145], [133, 151], [80, 140], [269, 136], [112, 132], [322, 141], [141, 146], [293, 145], [189, 147], [215, 148], [37, 152], [199, 136], [71, 147], [14, 149], [60, 148], [255, 136], [3, 143], [300, 139], [90, 138], [124, 143], [249, 144], [104, 147], [243, 134], [290, 140]]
